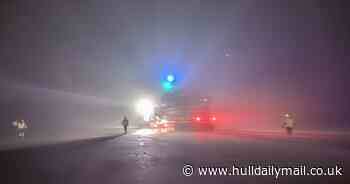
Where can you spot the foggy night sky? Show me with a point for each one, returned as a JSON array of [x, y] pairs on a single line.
[[290, 53]]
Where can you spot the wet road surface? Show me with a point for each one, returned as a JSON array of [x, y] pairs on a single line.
[[144, 156]]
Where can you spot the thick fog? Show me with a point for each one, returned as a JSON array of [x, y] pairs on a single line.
[[84, 63]]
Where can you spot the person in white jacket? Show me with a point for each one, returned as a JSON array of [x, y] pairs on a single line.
[[288, 123], [21, 126]]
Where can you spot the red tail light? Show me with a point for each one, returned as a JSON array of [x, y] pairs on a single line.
[[213, 118], [198, 118]]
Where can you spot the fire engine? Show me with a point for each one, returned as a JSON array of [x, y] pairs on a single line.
[[184, 112]]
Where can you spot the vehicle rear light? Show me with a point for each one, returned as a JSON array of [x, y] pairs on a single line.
[[213, 118], [198, 118]]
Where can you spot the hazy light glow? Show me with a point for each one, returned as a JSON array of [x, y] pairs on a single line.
[[145, 107], [170, 78], [145, 132], [167, 86]]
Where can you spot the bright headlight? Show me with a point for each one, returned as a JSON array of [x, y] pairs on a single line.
[[145, 108]]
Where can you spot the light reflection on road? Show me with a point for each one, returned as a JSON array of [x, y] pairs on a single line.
[[149, 131], [144, 132]]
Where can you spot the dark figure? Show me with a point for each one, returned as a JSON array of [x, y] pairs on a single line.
[[125, 124], [289, 130]]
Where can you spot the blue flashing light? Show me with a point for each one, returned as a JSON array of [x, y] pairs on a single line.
[[167, 86], [170, 78]]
